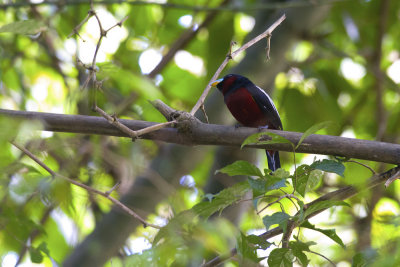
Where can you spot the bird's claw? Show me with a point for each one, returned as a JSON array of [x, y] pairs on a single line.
[[260, 128]]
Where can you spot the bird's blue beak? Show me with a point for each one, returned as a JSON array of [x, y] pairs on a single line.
[[216, 82]]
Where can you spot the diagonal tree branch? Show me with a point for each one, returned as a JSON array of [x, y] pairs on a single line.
[[190, 131], [86, 187], [266, 34]]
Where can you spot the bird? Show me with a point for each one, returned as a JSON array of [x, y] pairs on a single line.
[[252, 107]]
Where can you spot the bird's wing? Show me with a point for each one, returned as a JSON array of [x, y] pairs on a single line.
[[266, 104]]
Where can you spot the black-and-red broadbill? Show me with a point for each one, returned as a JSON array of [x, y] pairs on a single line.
[[252, 107]]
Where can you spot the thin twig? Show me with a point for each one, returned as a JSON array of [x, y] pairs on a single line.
[[155, 127], [205, 113], [295, 170], [269, 31], [326, 258], [77, 28], [278, 200], [268, 48], [86, 187], [92, 77], [131, 133], [392, 179], [362, 164], [113, 188], [376, 62], [114, 121]]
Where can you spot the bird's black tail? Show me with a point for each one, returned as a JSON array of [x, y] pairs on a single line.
[[274, 162]]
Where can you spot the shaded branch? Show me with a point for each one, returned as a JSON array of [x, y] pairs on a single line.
[[194, 132]]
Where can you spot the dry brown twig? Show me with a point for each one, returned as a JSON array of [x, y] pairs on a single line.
[[97, 84], [86, 187], [132, 134], [200, 103], [266, 34]]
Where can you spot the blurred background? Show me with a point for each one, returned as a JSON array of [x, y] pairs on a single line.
[[331, 60]]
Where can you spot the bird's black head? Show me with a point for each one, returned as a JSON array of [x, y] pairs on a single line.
[[231, 82]]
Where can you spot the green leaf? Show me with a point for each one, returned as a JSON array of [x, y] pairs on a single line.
[[241, 167], [260, 242], [281, 257], [313, 129], [307, 181], [302, 257], [173, 230], [247, 246], [365, 258], [30, 26], [329, 166], [281, 173], [43, 247], [275, 183], [359, 260], [323, 205], [258, 185], [331, 233], [279, 218], [264, 185], [275, 139], [222, 200], [36, 255], [298, 247]]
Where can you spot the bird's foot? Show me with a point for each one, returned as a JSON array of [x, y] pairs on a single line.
[[260, 128]]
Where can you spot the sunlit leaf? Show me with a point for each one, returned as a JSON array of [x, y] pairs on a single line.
[[298, 247], [257, 184], [313, 129], [222, 200], [30, 26], [173, 230], [359, 260], [279, 218], [257, 138], [307, 181], [329, 166], [281, 173], [266, 184], [331, 233], [247, 246], [36, 255], [241, 167], [282, 257], [365, 258]]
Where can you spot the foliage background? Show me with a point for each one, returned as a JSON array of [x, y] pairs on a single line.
[[337, 61]]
